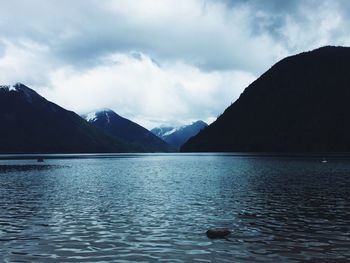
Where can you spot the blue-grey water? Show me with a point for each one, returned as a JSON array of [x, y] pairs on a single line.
[[157, 208]]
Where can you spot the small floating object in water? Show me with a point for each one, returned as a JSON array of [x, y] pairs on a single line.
[[324, 160], [214, 233], [40, 160]]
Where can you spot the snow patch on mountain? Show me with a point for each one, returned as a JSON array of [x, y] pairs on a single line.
[[172, 131], [98, 114], [92, 116], [8, 88], [107, 117]]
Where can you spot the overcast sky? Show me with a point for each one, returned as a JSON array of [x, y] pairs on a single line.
[[157, 62]]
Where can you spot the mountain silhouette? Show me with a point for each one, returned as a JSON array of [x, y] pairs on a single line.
[[31, 124], [176, 136], [128, 131], [301, 104]]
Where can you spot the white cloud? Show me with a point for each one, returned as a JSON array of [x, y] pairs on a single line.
[[139, 89], [316, 26], [23, 62], [81, 54]]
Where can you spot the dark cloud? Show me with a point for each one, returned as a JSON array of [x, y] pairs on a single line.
[[79, 32], [269, 5], [272, 16]]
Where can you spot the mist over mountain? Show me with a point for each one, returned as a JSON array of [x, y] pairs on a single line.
[[177, 136], [126, 130], [31, 124], [301, 104]]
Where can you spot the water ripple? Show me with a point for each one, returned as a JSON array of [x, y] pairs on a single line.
[[158, 208]]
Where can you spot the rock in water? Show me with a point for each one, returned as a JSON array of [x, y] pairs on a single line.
[[218, 233]]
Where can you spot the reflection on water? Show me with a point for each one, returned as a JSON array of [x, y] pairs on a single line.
[[158, 208]]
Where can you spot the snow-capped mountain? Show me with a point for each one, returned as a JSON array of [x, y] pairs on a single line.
[[31, 124], [176, 136], [129, 131]]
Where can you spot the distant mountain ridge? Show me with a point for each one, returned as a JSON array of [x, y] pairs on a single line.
[[177, 136], [301, 104], [32, 124], [128, 131]]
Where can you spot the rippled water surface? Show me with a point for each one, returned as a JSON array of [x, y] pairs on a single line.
[[157, 208]]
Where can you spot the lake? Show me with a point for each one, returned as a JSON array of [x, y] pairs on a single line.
[[158, 207]]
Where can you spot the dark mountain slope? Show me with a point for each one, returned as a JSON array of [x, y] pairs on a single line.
[[127, 130], [302, 104], [31, 124], [178, 136]]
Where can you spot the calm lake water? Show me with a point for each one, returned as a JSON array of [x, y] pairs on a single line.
[[157, 208]]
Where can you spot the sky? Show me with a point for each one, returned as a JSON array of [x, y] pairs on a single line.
[[158, 62]]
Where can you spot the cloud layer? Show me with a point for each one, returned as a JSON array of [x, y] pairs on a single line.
[[157, 62]]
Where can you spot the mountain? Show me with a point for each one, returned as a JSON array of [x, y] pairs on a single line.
[[300, 105], [178, 136], [31, 124], [124, 129]]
